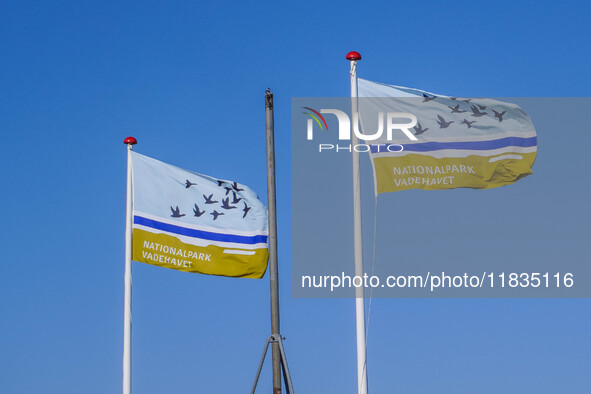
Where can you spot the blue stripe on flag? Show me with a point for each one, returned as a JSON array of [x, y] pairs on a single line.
[[467, 145], [189, 232]]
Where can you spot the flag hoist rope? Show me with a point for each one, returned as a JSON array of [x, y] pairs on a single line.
[[353, 57], [373, 267]]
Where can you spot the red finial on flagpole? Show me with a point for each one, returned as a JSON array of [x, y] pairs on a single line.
[[353, 55], [130, 141]]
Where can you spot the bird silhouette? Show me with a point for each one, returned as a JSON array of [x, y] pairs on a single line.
[[226, 203], [499, 115], [209, 200], [198, 213], [467, 100], [189, 184], [235, 186], [245, 210], [176, 213], [427, 98], [419, 129], [443, 124], [215, 214], [453, 98], [228, 189], [236, 200], [468, 123], [220, 183], [482, 107], [476, 112], [456, 109]]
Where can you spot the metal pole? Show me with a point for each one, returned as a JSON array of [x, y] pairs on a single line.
[[129, 141], [273, 274], [256, 378], [353, 57], [286, 374]]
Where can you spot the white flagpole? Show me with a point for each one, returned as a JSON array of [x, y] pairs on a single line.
[[353, 57], [129, 141]]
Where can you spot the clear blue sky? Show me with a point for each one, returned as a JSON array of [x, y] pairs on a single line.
[[187, 79]]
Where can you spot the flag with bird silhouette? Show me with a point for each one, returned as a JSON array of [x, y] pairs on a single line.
[[196, 223], [458, 142]]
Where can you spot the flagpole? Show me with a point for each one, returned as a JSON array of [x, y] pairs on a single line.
[[273, 267], [279, 360], [129, 141], [353, 57]]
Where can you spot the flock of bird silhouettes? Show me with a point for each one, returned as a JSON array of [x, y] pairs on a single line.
[[477, 111], [226, 203]]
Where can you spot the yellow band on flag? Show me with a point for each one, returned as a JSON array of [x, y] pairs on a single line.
[[169, 252], [429, 173]]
